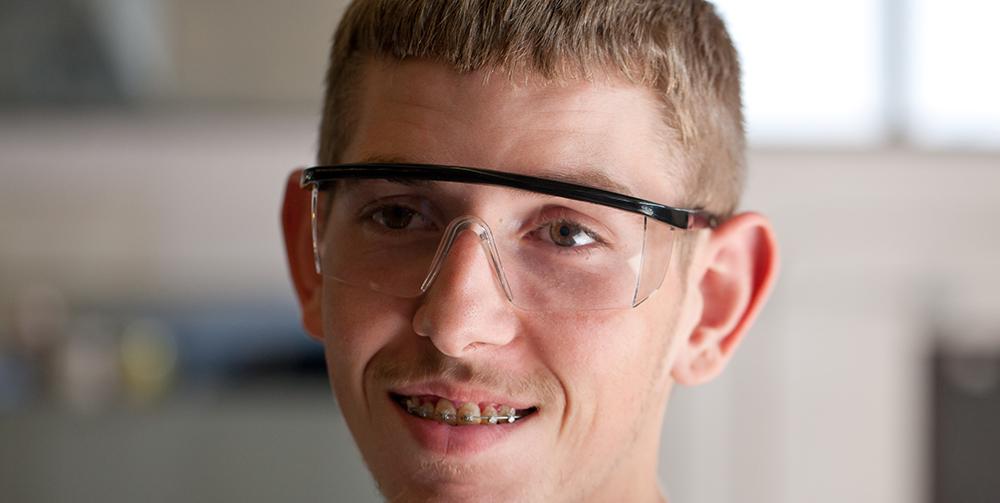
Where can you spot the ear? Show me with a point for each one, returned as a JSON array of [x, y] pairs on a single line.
[[735, 275], [297, 227]]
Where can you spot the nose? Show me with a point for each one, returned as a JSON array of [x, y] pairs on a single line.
[[465, 305]]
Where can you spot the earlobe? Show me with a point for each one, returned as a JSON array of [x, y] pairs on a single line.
[[297, 228], [736, 276]]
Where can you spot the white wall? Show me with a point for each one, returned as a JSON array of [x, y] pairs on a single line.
[[170, 206]]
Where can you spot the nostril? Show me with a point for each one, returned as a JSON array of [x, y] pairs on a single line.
[[465, 306]]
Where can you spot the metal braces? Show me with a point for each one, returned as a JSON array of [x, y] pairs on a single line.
[[450, 418]]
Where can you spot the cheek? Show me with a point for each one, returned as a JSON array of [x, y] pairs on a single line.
[[605, 362], [357, 323], [604, 347]]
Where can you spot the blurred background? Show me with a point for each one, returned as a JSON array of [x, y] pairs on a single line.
[[150, 348]]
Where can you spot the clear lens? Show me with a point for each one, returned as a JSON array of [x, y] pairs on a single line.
[[547, 253]]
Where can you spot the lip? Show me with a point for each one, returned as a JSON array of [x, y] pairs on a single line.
[[459, 441]]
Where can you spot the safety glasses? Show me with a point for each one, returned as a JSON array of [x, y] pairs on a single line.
[[551, 244]]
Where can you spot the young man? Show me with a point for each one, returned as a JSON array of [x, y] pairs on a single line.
[[521, 236]]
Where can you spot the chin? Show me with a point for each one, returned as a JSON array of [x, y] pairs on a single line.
[[406, 470], [448, 480]]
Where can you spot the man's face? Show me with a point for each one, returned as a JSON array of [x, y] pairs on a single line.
[[599, 380]]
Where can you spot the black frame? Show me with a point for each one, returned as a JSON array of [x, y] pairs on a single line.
[[681, 218]]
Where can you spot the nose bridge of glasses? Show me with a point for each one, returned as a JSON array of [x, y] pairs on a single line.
[[486, 241]]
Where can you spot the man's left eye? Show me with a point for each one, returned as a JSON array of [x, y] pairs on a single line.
[[568, 234]]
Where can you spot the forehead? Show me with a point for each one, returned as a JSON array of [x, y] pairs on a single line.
[[603, 132]]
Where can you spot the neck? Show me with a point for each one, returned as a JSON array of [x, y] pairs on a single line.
[[635, 478]]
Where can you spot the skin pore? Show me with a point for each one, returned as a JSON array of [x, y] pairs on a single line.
[[600, 379]]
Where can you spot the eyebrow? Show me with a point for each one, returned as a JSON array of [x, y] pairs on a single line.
[[588, 176]]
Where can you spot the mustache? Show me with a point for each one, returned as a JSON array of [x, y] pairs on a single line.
[[395, 371]]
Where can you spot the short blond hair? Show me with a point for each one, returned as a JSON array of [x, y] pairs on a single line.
[[678, 48]]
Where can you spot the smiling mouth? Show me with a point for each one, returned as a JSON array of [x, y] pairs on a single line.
[[443, 410]]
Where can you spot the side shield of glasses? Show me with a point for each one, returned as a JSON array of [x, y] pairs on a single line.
[[395, 232]]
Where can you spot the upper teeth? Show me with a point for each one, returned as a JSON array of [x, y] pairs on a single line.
[[468, 413], [445, 411], [491, 414]]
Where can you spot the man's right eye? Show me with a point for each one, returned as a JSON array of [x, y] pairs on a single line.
[[396, 217]]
